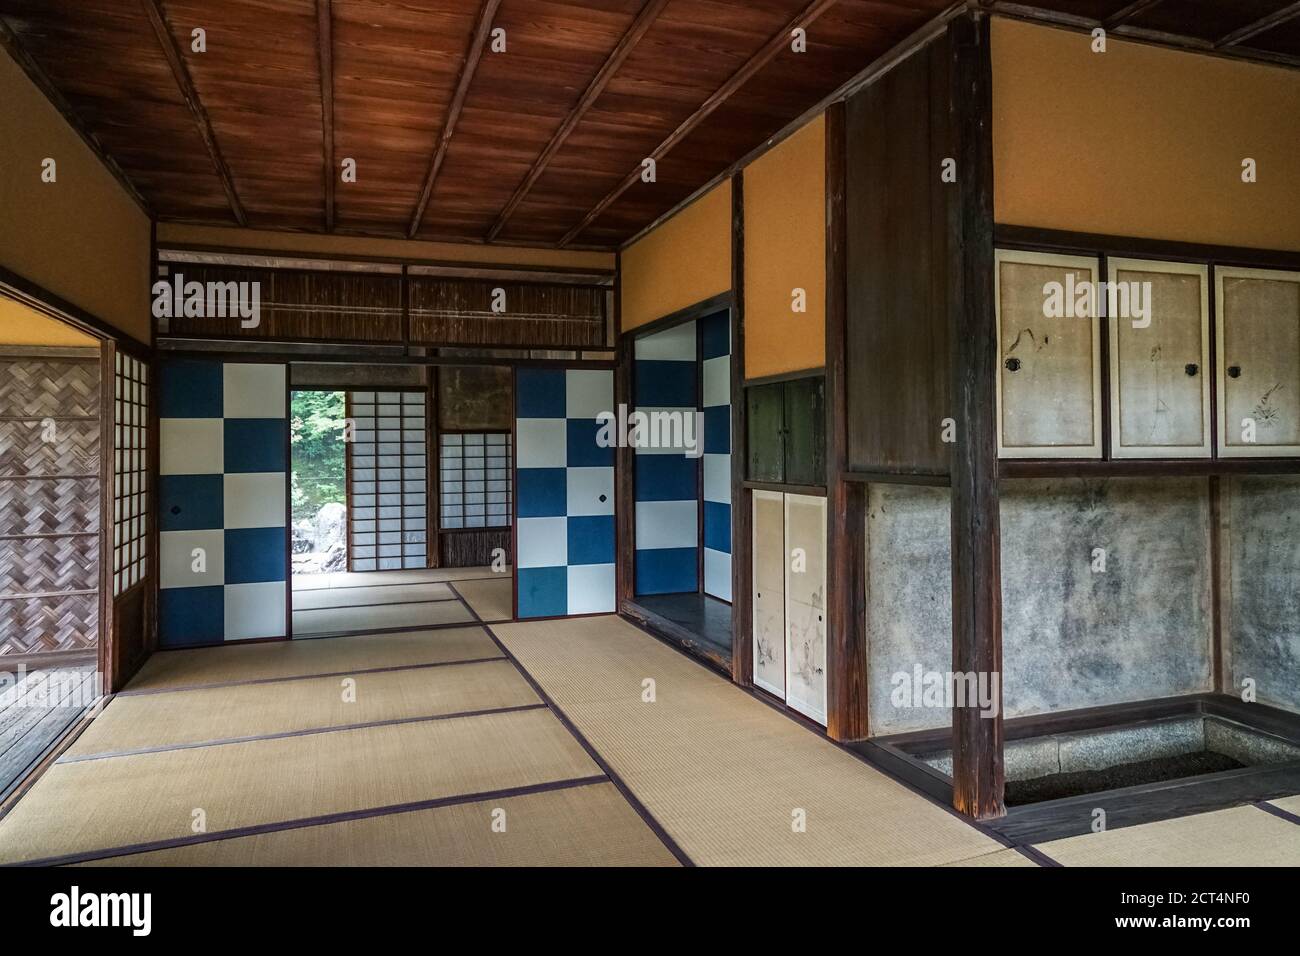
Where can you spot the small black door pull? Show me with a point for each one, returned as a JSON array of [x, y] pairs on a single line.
[[1234, 371], [1191, 368], [1012, 364]]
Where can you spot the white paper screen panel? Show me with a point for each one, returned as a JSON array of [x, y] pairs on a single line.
[[130, 472], [805, 605], [474, 480], [1159, 359], [1049, 381], [1258, 314], [387, 468], [769, 591]]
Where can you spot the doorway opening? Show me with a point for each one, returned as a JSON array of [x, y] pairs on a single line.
[[682, 583], [52, 509]]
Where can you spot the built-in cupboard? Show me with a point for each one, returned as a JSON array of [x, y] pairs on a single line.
[[1123, 358], [789, 599]]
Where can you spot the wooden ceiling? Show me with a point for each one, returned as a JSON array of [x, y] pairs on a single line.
[[541, 144], [451, 140]]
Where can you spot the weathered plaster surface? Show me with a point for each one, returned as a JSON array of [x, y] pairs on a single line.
[[1262, 606], [1072, 636]]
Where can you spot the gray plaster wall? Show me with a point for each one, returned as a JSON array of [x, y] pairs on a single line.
[[1261, 539], [1072, 637]]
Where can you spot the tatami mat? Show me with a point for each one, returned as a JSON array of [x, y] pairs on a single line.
[[1289, 804], [1238, 836], [345, 620], [361, 597], [491, 599], [284, 659], [729, 778], [91, 805], [247, 710], [352, 579], [590, 825], [998, 858]]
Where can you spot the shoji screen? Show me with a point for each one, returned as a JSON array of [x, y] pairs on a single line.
[[387, 459], [564, 492], [474, 480], [666, 379], [130, 472]]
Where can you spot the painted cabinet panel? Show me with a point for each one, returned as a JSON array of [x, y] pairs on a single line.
[[769, 591], [1049, 376], [1258, 314], [805, 605], [1159, 318]]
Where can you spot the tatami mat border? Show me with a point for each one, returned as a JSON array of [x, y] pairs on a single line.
[[303, 732], [144, 691], [321, 820]]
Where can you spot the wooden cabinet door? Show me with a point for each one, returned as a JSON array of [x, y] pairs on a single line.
[[1049, 376], [765, 432], [1158, 315], [805, 429], [769, 591], [805, 605], [1258, 318]]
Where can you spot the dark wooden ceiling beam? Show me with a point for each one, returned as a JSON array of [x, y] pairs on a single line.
[[634, 33], [13, 46], [325, 52], [764, 56], [158, 20], [478, 40], [1262, 25], [1124, 15]]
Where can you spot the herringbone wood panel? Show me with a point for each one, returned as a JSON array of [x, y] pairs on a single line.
[[33, 502], [37, 388], [40, 625], [49, 447]]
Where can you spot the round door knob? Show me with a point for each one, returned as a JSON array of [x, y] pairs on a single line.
[[1234, 371], [1191, 368], [1012, 364]]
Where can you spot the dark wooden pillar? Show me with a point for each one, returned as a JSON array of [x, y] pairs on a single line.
[[846, 649], [624, 457], [742, 514], [978, 778], [742, 535]]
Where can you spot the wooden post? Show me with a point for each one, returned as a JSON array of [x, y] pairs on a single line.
[[977, 738], [624, 457], [742, 538], [846, 645]]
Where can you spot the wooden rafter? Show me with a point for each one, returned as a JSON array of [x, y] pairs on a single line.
[[1123, 16], [1262, 25], [634, 33], [158, 20], [759, 60], [325, 51], [472, 56], [9, 41]]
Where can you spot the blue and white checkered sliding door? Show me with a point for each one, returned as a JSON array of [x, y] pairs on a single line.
[[221, 501], [564, 492], [715, 350], [667, 481]]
